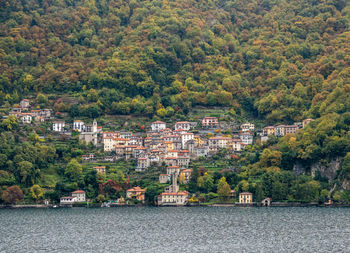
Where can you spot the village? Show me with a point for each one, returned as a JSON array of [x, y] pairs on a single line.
[[174, 146]]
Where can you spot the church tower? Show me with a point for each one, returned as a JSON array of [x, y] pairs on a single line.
[[94, 126]]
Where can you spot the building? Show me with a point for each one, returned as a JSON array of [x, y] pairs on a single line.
[[108, 144], [219, 142], [292, 129], [245, 197], [237, 145], [80, 195], [210, 122], [25, 104], [26, 118], [68, 200], [164, 178], [142, 163], [173, 198], [266, 202], [158, 126], [280, 130], [184, 125], [136, 193], [247, 138], [58, 126], [90, 133], [306, 122], [269, 130], [78, 125], [185, 138], [247, 127], [100, 169]]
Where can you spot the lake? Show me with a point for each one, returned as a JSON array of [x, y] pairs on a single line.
[[175, 229]]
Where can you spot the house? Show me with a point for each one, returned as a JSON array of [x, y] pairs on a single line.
[[26, 118], [58, 126], [219, 142], [292, 129], [173, 198], [269, 130], [173, 169], [183, 162], [136, 193], [100, 169], [245, 197], [201, 151], [247, 127], [210, 122], [80, 195], [280, 130], [184, 125], [125, 135], [185, 138], [158, 126], [236, 145], [164, 178], [247, 138], [108, 143], [78, 125], [142, 163], [25, 104], [46, 113], [306, 122], [68, 200]]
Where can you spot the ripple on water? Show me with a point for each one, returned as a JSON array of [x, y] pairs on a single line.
[[200, 229]]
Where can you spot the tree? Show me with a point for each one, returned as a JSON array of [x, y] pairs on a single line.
[[73, 170], [152, 193], [208, 183], [36, 192], [10, 123], [12, 194], [182, 178], [224, 189]]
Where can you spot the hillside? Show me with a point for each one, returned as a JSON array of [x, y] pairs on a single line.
[[264, 61], [271, 59]]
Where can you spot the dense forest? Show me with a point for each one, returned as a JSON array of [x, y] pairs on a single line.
[[275, 61]]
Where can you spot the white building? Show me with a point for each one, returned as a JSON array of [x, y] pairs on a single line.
[[78, 125], [26, 118], [237, 145], [68, 200], [185, 138], [80, 195], [247, 127], [58, 126], [142, 164], [108, 144], [185, 125], [158, 126], [247, 138], [173, 198]]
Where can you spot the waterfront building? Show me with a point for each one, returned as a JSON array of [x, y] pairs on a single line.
[[80, 195], [136, 193], [245, 198]]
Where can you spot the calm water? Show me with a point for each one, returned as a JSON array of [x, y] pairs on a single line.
[[201, 229]]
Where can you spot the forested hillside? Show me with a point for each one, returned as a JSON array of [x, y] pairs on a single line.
[[268, 58]]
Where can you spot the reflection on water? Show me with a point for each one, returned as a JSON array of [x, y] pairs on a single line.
[[200, 229]]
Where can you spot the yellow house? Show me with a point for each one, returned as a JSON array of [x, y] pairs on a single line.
[[245, 197], [269, 130], [169, 145]]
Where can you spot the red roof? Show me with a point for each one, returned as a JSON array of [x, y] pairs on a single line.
[[78, 191], [136, 189]]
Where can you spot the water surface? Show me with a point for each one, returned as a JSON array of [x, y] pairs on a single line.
[[199, 229]]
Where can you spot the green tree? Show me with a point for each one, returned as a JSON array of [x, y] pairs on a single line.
[[73, 170], [37, 192], [224, 189]]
